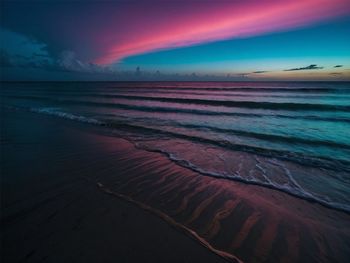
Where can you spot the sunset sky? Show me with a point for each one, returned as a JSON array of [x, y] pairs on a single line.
[[175, 40]]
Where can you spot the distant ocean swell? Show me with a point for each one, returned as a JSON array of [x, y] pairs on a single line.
[[246, 89], [228, 103], [311, 116]]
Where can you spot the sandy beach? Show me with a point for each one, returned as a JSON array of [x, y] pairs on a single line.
[[174, 131], [51, 212], [71, 194]]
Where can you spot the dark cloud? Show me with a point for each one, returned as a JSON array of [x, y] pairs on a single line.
[[260, 71], [4, 59], [21, 61], [310, 67], [20, 48], [338, 66], [20, 51], [69, 61]]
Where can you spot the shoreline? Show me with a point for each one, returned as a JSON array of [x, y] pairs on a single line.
[[34, 230], [247, 220]]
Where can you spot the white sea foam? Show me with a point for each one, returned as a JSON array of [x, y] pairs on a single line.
[[59, 113]]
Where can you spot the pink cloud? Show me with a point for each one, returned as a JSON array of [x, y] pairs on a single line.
[[145, 28]]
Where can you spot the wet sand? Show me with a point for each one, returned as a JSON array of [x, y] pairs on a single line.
[[52, 212], [72, 193]]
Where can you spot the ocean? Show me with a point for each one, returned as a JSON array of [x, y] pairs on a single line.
[[293, 137]]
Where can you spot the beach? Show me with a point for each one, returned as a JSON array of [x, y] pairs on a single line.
[[175, 131], [76, 194], [52, 212]]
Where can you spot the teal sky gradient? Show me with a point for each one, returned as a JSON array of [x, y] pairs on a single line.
[[326, 45], [171, 40]]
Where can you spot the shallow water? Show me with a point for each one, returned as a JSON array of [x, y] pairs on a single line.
[[288, 136]]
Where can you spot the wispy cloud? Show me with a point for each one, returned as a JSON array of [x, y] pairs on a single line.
[[260, 71], [335, 73], [69, 61], [310, 67]]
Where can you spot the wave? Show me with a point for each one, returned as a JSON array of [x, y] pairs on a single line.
[[224, 93], [131, 93], [226, 103], [296, 192], [179, 110], [106, 93], [306, 160], [59, 113], [179, 92], [268, 137], [288, 156], [241, 133], [313, 161], [245, 89], [243, 104]]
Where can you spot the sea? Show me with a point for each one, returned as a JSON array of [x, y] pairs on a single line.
[[293, 137]]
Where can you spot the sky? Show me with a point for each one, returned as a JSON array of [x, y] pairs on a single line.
[[175, 40]]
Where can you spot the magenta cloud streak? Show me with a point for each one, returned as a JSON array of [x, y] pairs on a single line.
[[143, 28]]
